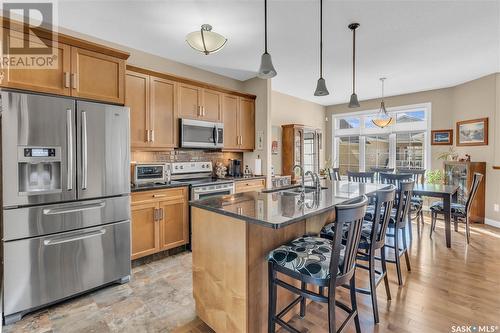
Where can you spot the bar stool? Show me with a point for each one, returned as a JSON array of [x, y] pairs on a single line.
[[361, 177], [322, 263], [372, 239], [417, 202], [334, 173]]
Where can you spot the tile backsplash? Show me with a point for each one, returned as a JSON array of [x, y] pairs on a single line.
[[185, 155]]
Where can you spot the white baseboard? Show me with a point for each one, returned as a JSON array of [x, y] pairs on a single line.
[[493, 223]]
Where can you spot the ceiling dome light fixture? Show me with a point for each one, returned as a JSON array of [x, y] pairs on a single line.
[[382, 119], [321, 89], [266, 70], [353, 103], [206, 41]]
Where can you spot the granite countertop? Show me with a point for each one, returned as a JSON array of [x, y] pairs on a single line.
[[151, 187], [281, 208]]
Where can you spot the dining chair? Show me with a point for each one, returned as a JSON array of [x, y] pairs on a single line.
[[372, 239], [322, 263], [360, 177], [417, 202], [459, 212], [334, 173], [379, 170]]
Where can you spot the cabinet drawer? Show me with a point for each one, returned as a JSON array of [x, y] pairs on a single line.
[[159, 195], [249, 185]]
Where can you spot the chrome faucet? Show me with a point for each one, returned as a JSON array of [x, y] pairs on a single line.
[[315, 178]]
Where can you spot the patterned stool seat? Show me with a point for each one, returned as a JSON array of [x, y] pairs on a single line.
[[456, 208], [366, 231], [307, 255]]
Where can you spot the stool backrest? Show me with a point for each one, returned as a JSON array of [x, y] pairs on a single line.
[[394, 178], [476, 181], [403, 201], [418, 174], [361, 177], [349, 217], [383, 207], [334, 173]]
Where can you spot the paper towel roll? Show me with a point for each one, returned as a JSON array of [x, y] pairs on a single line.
[[257, 170]]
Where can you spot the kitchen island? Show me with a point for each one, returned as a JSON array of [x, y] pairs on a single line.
[[231, 237]]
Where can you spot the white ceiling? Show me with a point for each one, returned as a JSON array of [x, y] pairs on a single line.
[[417, 45]]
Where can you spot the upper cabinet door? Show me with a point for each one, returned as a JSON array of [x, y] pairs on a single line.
[[230, 116], [212, 105], [163, 113], [137, 99], [54, 79], [97, 76], [189, 101], [247, 123]]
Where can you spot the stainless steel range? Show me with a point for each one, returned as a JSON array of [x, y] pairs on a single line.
[[200, 179], [66, 199]]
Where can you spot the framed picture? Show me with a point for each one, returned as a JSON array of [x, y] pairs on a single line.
[[442, 137], [472, 132]]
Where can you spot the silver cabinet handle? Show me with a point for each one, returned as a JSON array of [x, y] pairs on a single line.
[[203, 111], [74, 81], [147, 135], [152, 135], [75, 209], [69, 133], [67, 83], [84, 151], [67, 239]]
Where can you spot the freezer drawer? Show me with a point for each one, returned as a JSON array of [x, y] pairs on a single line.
[[42, 270], [47, 219]]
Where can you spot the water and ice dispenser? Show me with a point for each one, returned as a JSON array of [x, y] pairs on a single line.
[[39, 170]]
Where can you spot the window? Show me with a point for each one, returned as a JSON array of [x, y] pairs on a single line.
[[348, 153], [309, 153], [359, 145]]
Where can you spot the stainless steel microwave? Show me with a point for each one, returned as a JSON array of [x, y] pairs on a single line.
[[201, 134]]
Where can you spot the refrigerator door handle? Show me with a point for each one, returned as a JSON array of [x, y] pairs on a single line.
[[69, 133], [67, 239], [67, 210], [84, 151]]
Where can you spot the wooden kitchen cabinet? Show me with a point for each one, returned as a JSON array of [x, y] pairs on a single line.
[[247, 185], [159, 220], [145, 230], [199, 103], [97, 76], [230, 107], [239, 123], [152, 103], [83, 69]]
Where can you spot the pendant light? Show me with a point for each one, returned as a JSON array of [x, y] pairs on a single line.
[[266, 70], [382, 119], [353, 103], [205, 40], [321, 89]]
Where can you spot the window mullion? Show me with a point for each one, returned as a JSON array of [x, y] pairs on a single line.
[[362, 155]]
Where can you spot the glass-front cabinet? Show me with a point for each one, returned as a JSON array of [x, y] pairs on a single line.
[[461, 174], [301, 145]]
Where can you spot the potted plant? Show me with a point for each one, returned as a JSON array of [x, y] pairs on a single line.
[[450, 155]]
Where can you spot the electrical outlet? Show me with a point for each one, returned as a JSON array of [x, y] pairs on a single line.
[[496, 207]]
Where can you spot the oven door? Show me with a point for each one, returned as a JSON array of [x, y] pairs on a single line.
[[201, 134], [201, 193]]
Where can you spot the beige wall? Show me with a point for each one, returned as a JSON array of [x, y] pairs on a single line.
[[286, 109], [475, 99]]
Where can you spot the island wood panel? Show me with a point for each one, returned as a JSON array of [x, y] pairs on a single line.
[[219, 245]]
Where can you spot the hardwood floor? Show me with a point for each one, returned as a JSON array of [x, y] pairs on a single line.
[[457, 286]]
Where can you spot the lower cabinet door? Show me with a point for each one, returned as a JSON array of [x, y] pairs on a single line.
[[42, 270], [145, 230], [174, 225]]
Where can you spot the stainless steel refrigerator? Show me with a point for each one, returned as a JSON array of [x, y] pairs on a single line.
[[66, 199]]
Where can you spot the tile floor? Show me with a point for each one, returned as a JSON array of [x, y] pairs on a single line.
[[157, 299]]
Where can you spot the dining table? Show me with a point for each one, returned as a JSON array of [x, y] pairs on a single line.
[[448, 193]]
